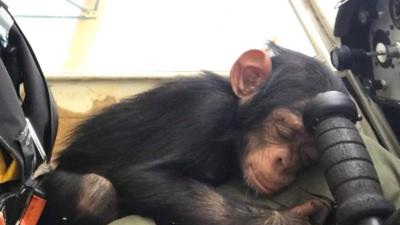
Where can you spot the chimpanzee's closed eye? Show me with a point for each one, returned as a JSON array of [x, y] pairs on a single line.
[[286, 134]]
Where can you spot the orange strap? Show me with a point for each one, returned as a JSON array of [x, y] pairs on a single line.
[[2, 220], [34, 210]]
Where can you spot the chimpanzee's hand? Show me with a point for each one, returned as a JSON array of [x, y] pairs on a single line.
[[308, 208], [315, 211]]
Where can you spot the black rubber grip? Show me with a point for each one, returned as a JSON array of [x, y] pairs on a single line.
[[349, 171], [348, 168]]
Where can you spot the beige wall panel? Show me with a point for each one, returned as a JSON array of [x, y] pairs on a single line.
[[79, 98]]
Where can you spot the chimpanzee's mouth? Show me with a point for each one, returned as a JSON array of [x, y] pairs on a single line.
[[255, 182]]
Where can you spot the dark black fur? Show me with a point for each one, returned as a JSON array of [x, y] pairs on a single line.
[[159, 154]]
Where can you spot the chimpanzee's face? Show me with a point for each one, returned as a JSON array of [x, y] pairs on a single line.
[[277, 151]]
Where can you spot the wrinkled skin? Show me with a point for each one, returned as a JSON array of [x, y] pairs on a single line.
[[277, 152]]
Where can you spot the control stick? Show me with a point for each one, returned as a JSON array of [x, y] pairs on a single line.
[[347, 166]]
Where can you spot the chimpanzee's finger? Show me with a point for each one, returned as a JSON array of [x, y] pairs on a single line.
[[308, 208]]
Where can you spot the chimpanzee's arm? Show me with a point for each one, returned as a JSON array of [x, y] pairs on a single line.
[[171, 199]]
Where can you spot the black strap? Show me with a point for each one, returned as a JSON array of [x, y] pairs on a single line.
[[4, 5], [21, 66]]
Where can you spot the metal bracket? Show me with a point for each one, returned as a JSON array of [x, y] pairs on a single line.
[[6, 22], [36, 140]]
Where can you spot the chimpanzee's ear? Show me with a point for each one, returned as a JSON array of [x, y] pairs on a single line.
[[249, 72]]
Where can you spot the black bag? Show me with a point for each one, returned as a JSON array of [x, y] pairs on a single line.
[[28, 118]]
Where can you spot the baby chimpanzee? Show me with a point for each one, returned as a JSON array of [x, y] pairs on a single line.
[[160, 154]]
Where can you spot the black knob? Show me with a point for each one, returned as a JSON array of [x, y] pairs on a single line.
[[344, 58], [341, 58]]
